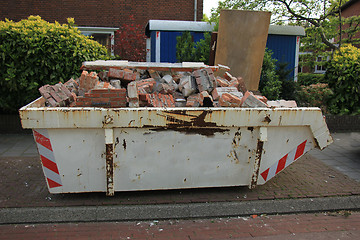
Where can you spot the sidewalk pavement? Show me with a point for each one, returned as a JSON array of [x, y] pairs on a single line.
[[340, 225], [343, 154], [319, 181]]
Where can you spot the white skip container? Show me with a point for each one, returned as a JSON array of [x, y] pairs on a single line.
[[91, 149]]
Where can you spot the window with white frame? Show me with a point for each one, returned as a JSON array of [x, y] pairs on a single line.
[[320, 64], [103, 35]]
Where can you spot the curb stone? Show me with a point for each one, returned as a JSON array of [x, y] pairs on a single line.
[[175, 211]]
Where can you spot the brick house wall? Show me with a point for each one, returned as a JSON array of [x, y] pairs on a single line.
[[351, 8], [105, 13]]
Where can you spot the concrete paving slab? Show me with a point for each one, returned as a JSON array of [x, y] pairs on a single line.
[[343, 154]]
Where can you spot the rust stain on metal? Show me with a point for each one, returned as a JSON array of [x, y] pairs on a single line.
[[181, 117], [235, 144], [108, 119], [267, 119], [258, 154], [131, 122], [124, 144], [181, 121], [208, 132], [116, 142], [109, 170]]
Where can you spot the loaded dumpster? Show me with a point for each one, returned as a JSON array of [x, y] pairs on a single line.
[[108, 149]]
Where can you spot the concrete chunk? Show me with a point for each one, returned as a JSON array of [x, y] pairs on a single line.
[[282, 104], [132, 91], [168, 79], [250, 100], [187, 85], [116, 83]]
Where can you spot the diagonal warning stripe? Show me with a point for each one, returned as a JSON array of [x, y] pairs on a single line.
[[47, 157], [286, 160], [42, 140]]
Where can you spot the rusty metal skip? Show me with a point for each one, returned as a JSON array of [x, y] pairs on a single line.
[[97, 149]]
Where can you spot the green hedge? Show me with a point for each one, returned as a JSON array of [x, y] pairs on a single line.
[[307, 79], [34, 52], [270, 84], [189, 51], [343, 76]]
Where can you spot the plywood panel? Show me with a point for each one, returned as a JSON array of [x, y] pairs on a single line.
[[241, 43]]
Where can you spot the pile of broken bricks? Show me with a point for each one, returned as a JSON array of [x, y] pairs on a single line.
[[124, 87]]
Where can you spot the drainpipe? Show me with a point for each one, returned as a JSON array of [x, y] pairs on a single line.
[[195, 9]]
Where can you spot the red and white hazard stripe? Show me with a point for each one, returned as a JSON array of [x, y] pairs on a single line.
[[286, 160], [50, 168]]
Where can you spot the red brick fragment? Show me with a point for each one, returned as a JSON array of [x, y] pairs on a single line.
[[160, 100], [205, 79], [229, 100], [193, 100], [82, 78], [234, 83], [103, 98], [216, 94], [65, 90], [103, 85], [142, 96], [242, 87], [229, 77], [88, 81], [72, 85], [104, 76], [100, 90], [206, 100], [145, 85], [222, 82], [129, 76], [57, 95], [116, 73], [165, 88]]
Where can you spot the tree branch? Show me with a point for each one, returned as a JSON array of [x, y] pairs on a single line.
[[314, 22]]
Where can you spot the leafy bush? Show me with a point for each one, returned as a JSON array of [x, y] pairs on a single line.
[[270, 85], [34, 52], [288, 86], [185, 48], [314, 95], [130, 42], [202, 49], [343, 76], [307, 79], [189, 51], [288, 89]]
